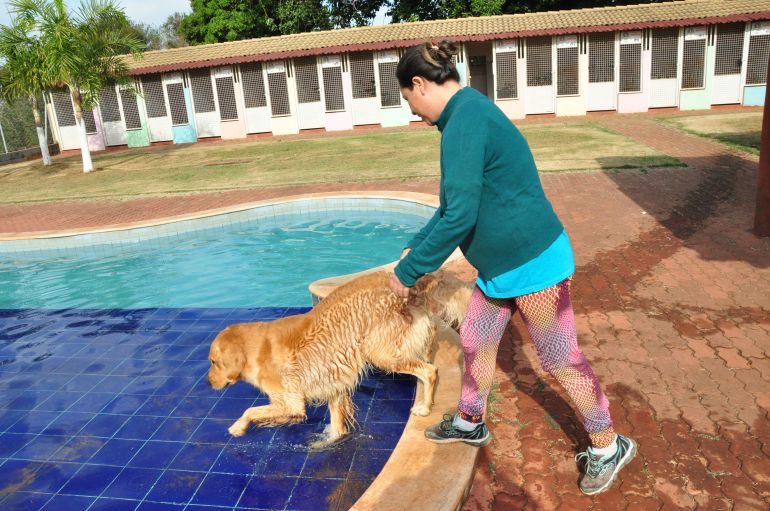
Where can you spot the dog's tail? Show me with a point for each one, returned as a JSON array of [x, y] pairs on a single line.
[[443, 295]]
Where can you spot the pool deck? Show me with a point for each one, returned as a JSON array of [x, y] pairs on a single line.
[[671, 297]]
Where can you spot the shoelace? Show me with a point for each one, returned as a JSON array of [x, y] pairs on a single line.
[[594, 465], [446, 423]]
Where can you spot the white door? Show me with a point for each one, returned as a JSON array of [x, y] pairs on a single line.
[[601, 89], [228, 97], [540, 96], [112, 119], [664, 79], [694, 58], [257, 112], [65, 119], [728, 64], [310, 110], [177, 104], [204, 105], [366, 105], [158, 118], [504, 65]]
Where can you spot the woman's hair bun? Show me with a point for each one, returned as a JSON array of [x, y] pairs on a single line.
[[439, 55]]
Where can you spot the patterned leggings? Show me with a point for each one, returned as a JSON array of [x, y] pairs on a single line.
[[550, 321]]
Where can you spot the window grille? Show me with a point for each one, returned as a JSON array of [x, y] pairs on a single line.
[[693, 64], [390, 91], [202, 92], [90, 122], [279, 93], [756, 71], [539, 66], [228, 111], [62, 104], [631, 67], [308, 90], [253, 85], [153, 96], [335, 101], [665, 49], [729, 49], [362, 75], [130, 109], [108, 105], [601, 57], [506, 75], [176, 102], [567, 69]]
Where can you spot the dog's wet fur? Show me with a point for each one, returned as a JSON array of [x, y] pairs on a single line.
[[320, 356]]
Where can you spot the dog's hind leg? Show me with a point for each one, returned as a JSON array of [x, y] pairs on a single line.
[[274, 414], [428, 375], [342, 419]]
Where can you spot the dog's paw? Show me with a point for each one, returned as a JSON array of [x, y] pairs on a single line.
[[421, 410], [326, 441], [237, 430]]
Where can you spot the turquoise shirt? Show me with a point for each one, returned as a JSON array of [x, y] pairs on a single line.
[[554, 265], [492, 204]]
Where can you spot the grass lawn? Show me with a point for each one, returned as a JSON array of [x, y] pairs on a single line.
[[283, 161], [738, 130]]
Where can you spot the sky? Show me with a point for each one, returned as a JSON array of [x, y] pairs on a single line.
[[151, 12]]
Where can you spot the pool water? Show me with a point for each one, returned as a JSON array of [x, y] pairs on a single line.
[[255, 264]]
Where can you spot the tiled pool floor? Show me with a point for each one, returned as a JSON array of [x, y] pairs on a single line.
[[110, 410]]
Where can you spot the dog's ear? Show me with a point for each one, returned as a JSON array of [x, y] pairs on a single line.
[[232, 353]]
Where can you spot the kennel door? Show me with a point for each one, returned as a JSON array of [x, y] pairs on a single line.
[[540, 94]]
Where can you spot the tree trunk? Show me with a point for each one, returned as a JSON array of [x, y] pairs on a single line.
[[85, 152], [41, 138]]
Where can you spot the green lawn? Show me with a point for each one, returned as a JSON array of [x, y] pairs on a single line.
[[282, 161], [738, 130]]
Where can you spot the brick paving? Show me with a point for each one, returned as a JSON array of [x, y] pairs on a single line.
[[672, 296]]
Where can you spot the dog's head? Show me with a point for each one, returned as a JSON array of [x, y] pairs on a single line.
[[443, 295], [228, 358]]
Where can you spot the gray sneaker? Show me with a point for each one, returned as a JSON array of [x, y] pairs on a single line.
[[445, 432], [601, 471]]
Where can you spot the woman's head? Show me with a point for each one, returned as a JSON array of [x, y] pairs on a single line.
[[428, 78]]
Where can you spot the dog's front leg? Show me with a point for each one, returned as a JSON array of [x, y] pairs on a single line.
[[274, 414]]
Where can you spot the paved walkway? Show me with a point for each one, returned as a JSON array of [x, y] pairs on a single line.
[[672, 296]]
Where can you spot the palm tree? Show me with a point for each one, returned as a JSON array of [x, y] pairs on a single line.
[[84, 51], [25, 74]]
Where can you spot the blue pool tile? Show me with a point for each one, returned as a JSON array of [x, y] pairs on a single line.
[[33, 422], [202, 387], [305, 496], [392, 410], [117, 451], [39, 448], [68, 423], [177, 429], [230, 408], [104, 504], [384, 436], [29, 400], [194, 407], [67, 503], [267, 492], [192, 367], [91, 402], [115, 384], [296, 435], [132, 483], [240, 459], [396, 389], [177, 386], [196, 457], [156, 454], [160, 506], [23, 501], [139, 427], [82, 382], [9, 417], [125, 403], [91, 480], [279, 463], [368, 462], [60, 401], [145, 385], [221, 489], [176, 487], [212, 431], [104, 425], [333, 463], [79, 449], [12, 442], [159, 406], [49, 477]]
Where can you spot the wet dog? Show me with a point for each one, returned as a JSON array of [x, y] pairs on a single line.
[[320, 356]]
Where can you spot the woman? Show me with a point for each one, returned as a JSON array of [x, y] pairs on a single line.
[[493, 207]]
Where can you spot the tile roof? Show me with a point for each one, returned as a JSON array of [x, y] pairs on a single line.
[[675, 13]]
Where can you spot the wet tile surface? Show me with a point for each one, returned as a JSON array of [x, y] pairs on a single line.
[[110, 410]]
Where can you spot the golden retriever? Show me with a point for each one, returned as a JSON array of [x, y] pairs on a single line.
[[321, 355]]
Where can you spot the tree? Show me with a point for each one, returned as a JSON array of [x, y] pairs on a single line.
[[167, 35], [83, 51], [26, 74]]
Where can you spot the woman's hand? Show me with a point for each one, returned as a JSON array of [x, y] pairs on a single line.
[[403, 254], [397, 287]]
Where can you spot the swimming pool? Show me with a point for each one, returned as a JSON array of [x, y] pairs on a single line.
[[103, 397]]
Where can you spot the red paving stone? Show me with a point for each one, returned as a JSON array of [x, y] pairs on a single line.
[[672, 297]]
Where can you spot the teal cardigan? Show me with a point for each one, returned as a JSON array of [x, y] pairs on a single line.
[[492, 204]]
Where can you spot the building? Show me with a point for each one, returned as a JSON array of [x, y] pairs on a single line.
[[686, 54]]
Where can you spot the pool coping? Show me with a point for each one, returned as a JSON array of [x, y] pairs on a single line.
[[401, 484]]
